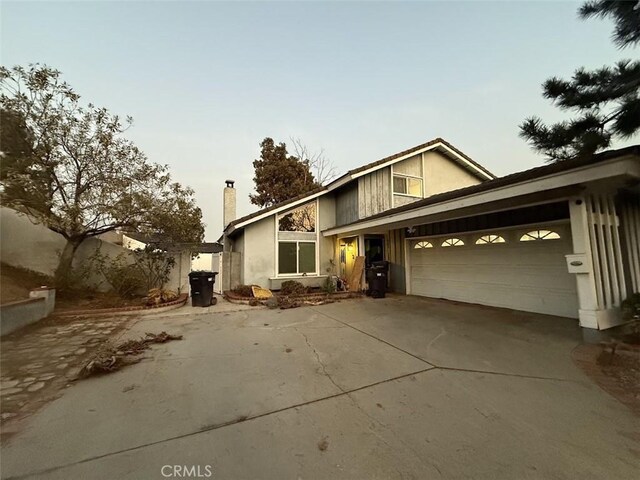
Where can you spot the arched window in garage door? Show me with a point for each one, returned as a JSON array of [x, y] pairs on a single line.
[[423, 244], [452, 242], [486, 239], [539, 235]]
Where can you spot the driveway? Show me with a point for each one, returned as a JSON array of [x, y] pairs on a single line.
[[396, 388]]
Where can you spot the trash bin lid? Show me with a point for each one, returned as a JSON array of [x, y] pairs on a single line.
[[201, 273]]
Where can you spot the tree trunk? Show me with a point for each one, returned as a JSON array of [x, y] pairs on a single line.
[[66, 262]]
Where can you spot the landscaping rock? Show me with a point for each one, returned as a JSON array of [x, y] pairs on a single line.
[[11, 391], [35, 387], [8, 384], [272, 302]]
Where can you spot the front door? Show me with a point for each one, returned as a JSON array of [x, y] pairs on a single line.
[[373, 250], [348, 254]]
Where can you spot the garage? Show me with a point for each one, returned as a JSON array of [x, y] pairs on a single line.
[[522, 269]]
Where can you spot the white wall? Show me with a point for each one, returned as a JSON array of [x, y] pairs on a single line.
[[132, 243], [259, 252], [257, 245], [33, 246], [27, 245], [327, 247], [443, 175], [203, 262]]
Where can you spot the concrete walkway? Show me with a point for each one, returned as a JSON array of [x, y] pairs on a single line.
[[221, 306], [395, 388]]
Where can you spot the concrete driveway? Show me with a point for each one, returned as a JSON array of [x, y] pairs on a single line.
[[396, 388]]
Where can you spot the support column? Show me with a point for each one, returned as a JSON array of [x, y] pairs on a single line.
[[585, 277]]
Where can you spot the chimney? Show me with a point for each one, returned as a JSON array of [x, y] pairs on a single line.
[[228, 203]]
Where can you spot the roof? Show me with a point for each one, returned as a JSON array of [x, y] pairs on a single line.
[[514, 178], [348, 177], [430, 143], [208, 247], [144, 238], [275, 207]]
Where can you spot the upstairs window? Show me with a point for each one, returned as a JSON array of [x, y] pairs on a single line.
[[406, 185], [486, 239], [539, 235], [302, 219], [424, 244], [297, 237], [452, 242]]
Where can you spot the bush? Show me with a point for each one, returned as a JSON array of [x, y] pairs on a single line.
[[328, 286], [81, 276], [243, 290], [631, 306], [126, 280], [154, 266], [291, 287]]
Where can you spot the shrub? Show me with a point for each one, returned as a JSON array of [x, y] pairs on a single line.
[[81, 277], [126, 280], [154, 266], [631, 306], [328, 286], [291, 287], [243, 290]]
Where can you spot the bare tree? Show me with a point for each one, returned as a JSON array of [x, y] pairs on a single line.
[[323, 169]]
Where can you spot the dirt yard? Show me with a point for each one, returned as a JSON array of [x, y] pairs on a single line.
[[15, 283]]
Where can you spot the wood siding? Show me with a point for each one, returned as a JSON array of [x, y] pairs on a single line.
[[374, 192], [630, 223], [347, 204], [394, 254], [521, 216]]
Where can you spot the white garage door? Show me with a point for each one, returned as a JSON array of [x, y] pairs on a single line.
[[498, 269]]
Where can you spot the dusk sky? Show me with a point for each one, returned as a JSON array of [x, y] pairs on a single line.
[[207, 81]]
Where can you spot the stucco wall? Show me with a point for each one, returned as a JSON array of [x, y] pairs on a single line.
[[326, 219], [259, 251], [132, 243], [257, 245], [442, 174], [203, 261], [411, 166], [24, 244], [32, 246]]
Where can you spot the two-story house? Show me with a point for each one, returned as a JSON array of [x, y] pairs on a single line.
[[562, 239]]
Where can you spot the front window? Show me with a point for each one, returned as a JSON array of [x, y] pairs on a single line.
[[405, 185], [296, 258], [297, 241]]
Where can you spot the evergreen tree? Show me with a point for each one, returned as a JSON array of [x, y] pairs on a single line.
[[279, 176], [606, 100]]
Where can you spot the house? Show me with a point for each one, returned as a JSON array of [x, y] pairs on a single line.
[[562, 239]]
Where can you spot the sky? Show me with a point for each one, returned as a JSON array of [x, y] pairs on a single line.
[[206, 81]]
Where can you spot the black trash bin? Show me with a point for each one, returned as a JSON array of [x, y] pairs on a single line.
[[201, 284], [377, 278]]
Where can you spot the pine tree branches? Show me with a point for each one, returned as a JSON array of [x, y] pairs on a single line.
[[606, 101]]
